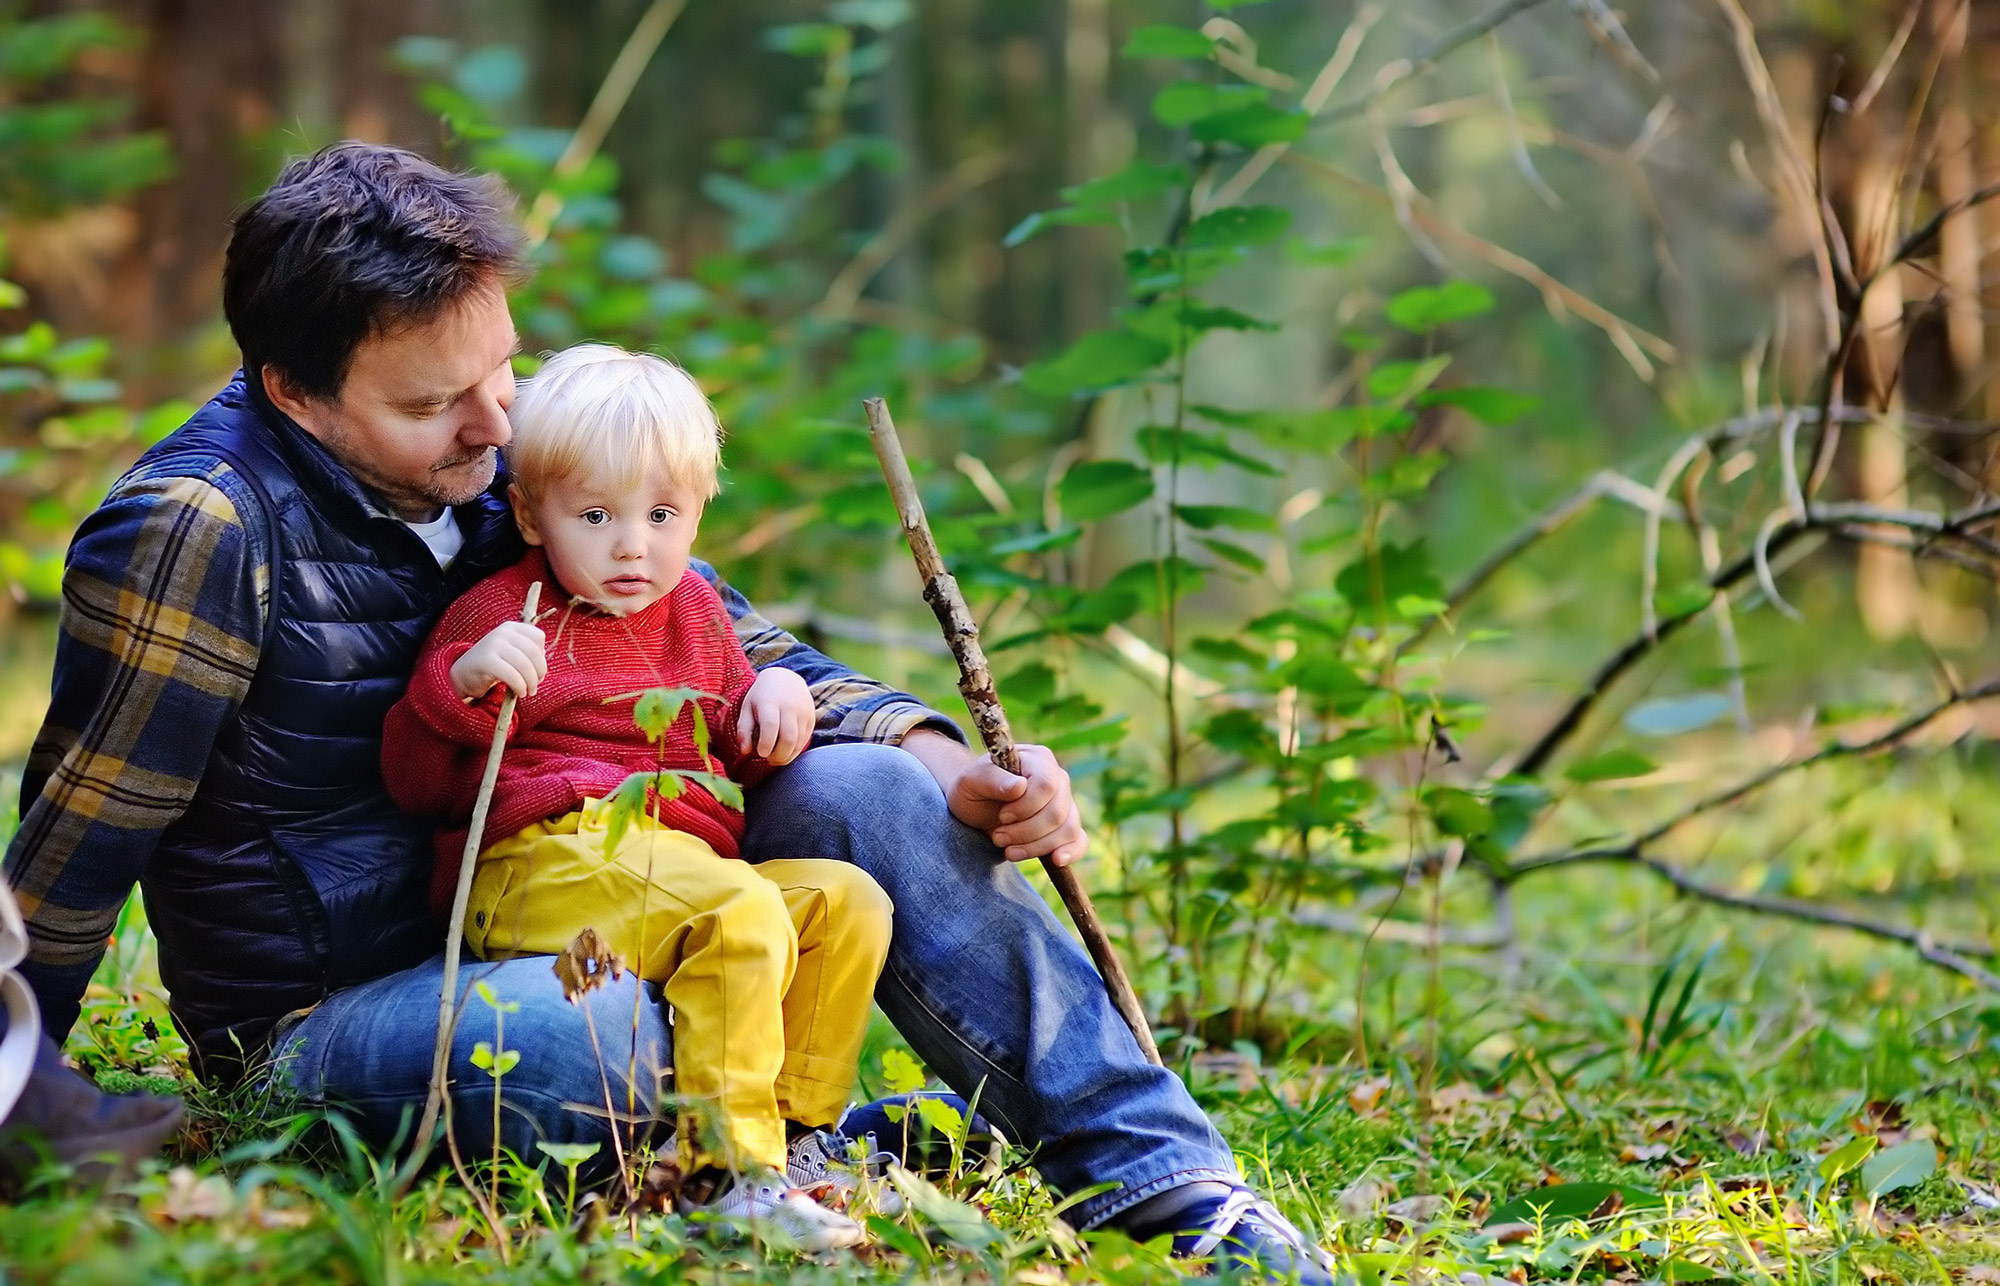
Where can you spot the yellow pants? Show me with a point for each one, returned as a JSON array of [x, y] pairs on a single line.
[[769, 967]]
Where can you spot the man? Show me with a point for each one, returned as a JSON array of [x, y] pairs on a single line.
[[245, 606]]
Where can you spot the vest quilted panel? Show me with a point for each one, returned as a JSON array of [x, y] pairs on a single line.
[[292, 874]]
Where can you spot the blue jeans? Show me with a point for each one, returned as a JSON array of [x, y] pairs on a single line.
[[987, 986]]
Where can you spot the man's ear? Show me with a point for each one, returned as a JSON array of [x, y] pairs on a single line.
[[524, 514], [285, 395]]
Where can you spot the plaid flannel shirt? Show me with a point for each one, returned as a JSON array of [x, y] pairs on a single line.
[[163, 603]]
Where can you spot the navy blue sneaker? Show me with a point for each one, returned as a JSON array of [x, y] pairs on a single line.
[[1241, 1235], [893, 1128]]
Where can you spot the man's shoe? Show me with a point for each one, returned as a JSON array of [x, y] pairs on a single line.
[[1242, 1235], [767, 1203], [62, 1117]]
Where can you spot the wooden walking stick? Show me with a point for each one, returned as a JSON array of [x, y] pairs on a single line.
[[975, 684], [454, 932]]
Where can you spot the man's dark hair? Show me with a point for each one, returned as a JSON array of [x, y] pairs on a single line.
[[351, 241]]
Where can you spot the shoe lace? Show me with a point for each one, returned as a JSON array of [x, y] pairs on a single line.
[[1239, 1204]]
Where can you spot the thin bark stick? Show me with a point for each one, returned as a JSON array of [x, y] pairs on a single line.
[[454, 932], [975, 684]]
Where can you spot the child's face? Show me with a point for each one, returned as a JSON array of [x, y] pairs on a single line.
[[623, 547]]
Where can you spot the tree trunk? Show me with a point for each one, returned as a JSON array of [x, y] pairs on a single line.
[[210, 78]]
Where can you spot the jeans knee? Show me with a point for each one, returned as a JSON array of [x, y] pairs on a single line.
[[844, 801]]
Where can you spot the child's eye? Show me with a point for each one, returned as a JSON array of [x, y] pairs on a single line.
[[596, 517], [663, 515]]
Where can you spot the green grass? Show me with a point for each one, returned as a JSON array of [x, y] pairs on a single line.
[[1712, 1066]]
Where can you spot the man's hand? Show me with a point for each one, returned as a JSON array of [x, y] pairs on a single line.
[[1028, 817], [776, 723], [512, 654]]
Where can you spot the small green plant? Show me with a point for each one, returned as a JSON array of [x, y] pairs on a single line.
[[569, 1156], [496, 1060]]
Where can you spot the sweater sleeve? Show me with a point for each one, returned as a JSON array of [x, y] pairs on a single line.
[[434, 743]]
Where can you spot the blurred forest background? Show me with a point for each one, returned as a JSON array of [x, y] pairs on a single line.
[[1493, 500], [1328, 303]]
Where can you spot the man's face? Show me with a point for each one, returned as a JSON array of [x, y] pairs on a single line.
[[423, 408]]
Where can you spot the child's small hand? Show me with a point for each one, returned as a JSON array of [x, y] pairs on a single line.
[[778, 716], [512, 654]]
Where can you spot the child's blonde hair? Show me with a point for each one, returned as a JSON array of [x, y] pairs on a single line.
[[598, 409]]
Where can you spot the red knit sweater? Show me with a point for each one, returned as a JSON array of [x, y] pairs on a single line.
[[575, 738]]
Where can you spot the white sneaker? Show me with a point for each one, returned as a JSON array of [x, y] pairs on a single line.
[[767, 1200], [820, 1163]]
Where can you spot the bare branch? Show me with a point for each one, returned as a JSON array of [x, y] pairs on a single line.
[[1551, 520], [1795, 176], [1316, 94], [1955, 956], [1396, 73], [1621, 661], [844, 291], [1887, 740], [1930, 527], [604, 109], [1917, 240], [1632, 342], [1950, 957], [1606, 28]]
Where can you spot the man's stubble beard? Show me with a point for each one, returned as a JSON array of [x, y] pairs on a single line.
[[398, 495]]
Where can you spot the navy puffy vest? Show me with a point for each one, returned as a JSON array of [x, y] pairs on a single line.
[[292, 874]]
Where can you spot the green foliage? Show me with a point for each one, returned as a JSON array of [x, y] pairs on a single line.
[[61, 145], [68, 433]]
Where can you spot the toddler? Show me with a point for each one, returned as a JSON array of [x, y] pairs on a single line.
[[769, 967]]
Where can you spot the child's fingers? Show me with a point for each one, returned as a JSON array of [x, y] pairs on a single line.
[[798, 731], [533, 664], [787, 748], [768, 728], [505, 671]]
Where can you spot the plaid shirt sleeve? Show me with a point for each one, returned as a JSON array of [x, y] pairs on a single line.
[[851, 706], [162, 616]]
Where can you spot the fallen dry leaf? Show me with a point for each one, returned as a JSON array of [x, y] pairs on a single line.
[[1983, 1273], [661, 1188], [1639, 1152], [1365, 1097], [1411, 1211], [1506, 1234], [190, 1198], [1880, 1114], [1363, 1197]]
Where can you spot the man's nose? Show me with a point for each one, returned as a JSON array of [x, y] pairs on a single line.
[[486, 421]]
